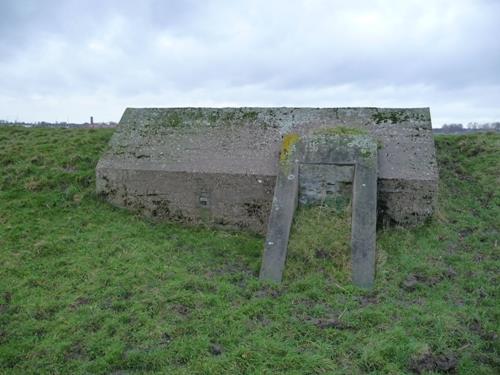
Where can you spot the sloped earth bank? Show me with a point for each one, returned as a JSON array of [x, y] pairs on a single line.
[[87, 288]]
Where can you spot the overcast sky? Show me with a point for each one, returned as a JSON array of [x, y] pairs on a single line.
[[68, 60]]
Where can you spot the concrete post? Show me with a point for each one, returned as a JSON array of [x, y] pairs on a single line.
[[363, 224], [281, 218]]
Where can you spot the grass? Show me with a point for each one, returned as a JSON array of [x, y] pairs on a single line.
[[320, 240], [87, 288]]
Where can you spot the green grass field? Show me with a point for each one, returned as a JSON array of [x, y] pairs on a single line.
[[86, 288]]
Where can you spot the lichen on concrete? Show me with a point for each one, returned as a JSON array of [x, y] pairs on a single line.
[[288, 146]]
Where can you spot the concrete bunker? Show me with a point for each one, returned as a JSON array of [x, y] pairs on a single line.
[[218, 166]]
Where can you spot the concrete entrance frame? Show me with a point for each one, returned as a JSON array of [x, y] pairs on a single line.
[[325, 147]]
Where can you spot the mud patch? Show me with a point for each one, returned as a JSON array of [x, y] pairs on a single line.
[[427, 362], [215, 349], [330, 323], [414, 281], [322, 254], [165, 339], [182, 310], [80, 301], [365, 301], [75, 352], [7, 298], [476, 327], [268, 291]]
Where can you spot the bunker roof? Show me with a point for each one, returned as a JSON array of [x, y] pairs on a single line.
[[247, 140]]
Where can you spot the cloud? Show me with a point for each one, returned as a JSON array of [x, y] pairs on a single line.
[[71, 59]]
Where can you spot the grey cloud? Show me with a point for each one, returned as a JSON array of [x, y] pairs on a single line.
[[281, 49]]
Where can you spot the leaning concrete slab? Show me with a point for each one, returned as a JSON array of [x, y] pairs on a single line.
[[219, 165], [330, 150], [283, 208]]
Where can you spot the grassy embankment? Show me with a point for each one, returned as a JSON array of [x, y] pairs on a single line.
[[87, 288]]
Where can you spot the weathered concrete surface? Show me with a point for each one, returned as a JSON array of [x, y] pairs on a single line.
[[320, 182], [229, 200], [340, 157], [163, 161], [285, 201]]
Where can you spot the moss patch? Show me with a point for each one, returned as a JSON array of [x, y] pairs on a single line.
[[393, 117], [340, 130]]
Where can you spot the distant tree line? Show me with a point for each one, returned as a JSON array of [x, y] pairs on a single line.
[[470, 127], [45, 124]]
